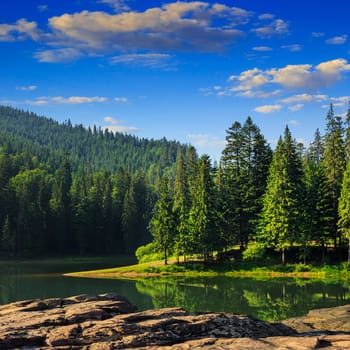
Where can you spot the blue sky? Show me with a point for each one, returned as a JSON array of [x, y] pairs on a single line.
[[183, 70]]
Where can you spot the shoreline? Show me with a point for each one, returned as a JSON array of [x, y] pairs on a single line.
[[157, 269]]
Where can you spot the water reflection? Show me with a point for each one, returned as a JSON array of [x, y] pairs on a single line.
[[271, 299]]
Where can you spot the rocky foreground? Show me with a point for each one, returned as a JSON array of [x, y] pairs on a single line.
[[110, 322]]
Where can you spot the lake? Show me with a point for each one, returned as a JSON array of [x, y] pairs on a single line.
[[269, 299]]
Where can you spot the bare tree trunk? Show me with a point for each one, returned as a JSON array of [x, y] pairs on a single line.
[[283, 257]]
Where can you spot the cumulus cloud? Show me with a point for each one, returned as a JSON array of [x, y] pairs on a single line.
[[42, 101], [268, 108], [21, 30], [250, 79], [27, 88], [259, 83], [179, 25], [114, 126], [58, 55], [276, 27], [337, 40], [302, 76]]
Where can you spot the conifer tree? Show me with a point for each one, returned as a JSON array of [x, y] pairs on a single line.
[[344, 208], [203, 217], [281, 214], [181, 207], [162, 224], [245, 163], [334, 164], [317, 200]]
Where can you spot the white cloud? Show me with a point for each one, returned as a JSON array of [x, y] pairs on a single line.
[[293, 122], [262, 48], [110, 120], [120, 99], [340, 101], [258, 94], [115, 127], [21, 30], [276, 27], [293, 47], [305, 98], [296, 107], [317, 34], [268, 108], [41, 101], [337, 40], [178, 25], [151, 60], [266, 16], [259, 83], [118, 5], [306, 76], [204, 140], [250, 79], [58, 55], [43, 8], [27, 88]]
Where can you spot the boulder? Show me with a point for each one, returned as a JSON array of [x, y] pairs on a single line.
[[109, 321]]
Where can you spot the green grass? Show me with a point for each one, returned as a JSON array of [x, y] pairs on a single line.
[[230, 269]]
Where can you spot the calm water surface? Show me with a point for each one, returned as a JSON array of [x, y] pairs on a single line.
[[271, 299]]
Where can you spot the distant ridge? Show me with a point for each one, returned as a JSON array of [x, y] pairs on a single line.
[[96, 148]]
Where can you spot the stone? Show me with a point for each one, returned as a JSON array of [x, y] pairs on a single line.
[[109, 321]]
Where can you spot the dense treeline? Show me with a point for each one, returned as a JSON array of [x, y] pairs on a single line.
[[94, 149], [58, 196], [69, 190], [259, 199]]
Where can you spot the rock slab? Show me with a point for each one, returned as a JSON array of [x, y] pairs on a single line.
[[109, 321]]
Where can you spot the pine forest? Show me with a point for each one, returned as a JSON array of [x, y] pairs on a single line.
[[66, 189]]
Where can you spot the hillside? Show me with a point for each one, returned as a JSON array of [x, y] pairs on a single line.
[[66, 189], [97, 149]]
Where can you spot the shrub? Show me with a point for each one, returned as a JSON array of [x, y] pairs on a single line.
[[302, 268], [147, 253], [254, 251]]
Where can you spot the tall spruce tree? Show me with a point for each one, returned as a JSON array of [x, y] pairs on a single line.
[[334, 165], [162, 224], [317, 200], [202, 216], [344, 208], [181, 207], [347, 135], [282, 211], [245, 163]]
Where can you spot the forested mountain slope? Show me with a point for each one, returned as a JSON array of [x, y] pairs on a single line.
[[94, 148], [69, 190]]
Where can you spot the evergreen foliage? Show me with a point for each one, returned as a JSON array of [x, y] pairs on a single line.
[[69, 190]]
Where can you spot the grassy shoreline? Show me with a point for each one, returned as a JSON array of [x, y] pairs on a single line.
[[197, 269]]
